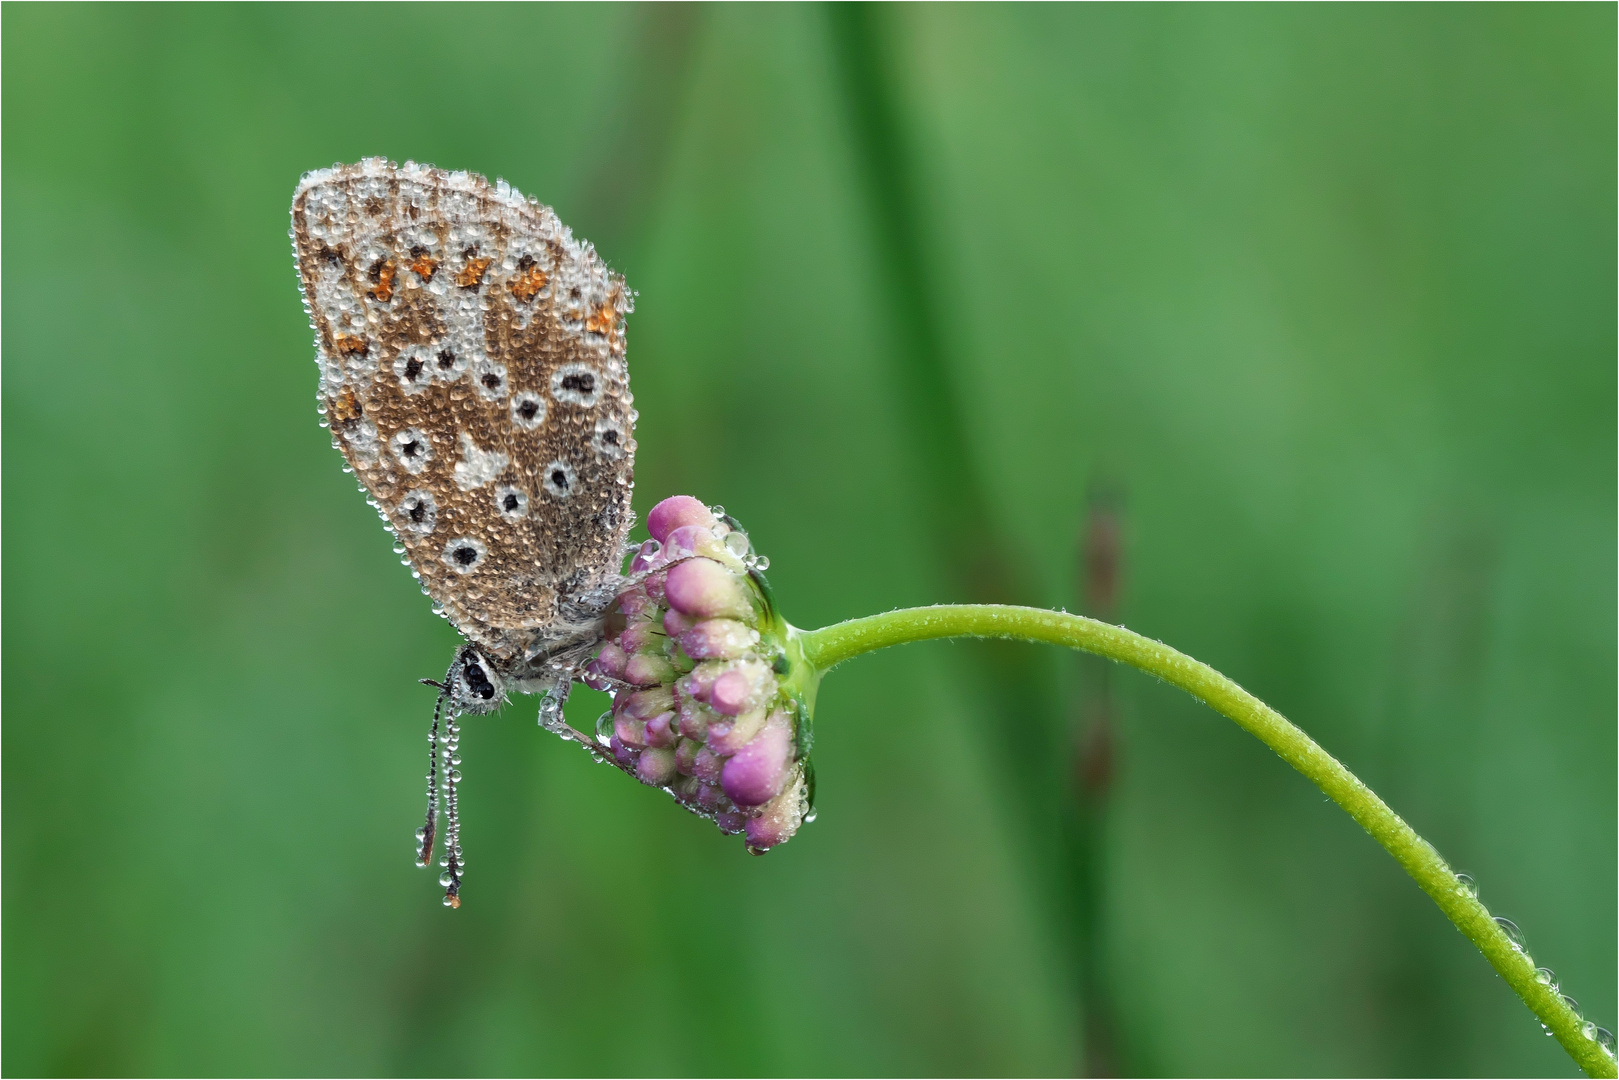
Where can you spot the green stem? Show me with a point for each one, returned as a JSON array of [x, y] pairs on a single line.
[[832, 645]]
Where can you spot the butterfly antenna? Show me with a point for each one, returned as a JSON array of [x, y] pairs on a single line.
[[426, 834]]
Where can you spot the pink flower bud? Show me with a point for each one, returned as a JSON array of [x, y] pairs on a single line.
[[675, 624], [731, 692], [656, 767], [645, 669], [629, 731], [704, 589], [700, 682], [623, 754], [707, 766], [779, 819], [726, 737], [731, 821], [659, 730], [709, 796], [686, 756], [692, 719], [639, 634], [718, 639], [758, 771], [654, 586], [675, 511], [610, 661], [645, 704]]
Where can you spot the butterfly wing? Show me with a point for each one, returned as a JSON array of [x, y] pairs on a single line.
[[471, 355]]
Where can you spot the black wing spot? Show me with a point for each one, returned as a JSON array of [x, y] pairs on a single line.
[[466, 555]]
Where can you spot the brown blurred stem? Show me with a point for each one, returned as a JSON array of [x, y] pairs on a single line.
[[1019, 698], [1020, 704], [1100, 580]]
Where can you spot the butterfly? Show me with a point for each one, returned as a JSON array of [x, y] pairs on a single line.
[[472, 373]]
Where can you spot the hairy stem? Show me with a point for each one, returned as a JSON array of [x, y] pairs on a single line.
[[832, 645]]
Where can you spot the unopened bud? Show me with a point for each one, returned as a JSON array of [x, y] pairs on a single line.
[[676, 511], [709, 689], [704, 589]]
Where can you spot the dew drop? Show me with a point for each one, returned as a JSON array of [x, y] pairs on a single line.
[[1605, 1039], [604, 728], [1589, 1030], [1466, 886], [1570, 1004], [421, 834], [1545, 976], [1512, 932], [736, 543], [445, 879], [809, 817], [762, 563]]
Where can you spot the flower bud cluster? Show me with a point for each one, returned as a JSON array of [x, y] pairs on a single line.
[[704, 703]]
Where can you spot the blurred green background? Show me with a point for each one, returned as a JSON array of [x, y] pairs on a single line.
[[1315, 305]]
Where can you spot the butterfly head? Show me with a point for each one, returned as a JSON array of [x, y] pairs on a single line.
[[474, 684]]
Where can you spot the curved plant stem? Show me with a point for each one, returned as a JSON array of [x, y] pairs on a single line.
[[832, 645]]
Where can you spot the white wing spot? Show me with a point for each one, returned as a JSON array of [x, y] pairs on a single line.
[[477, 467]]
